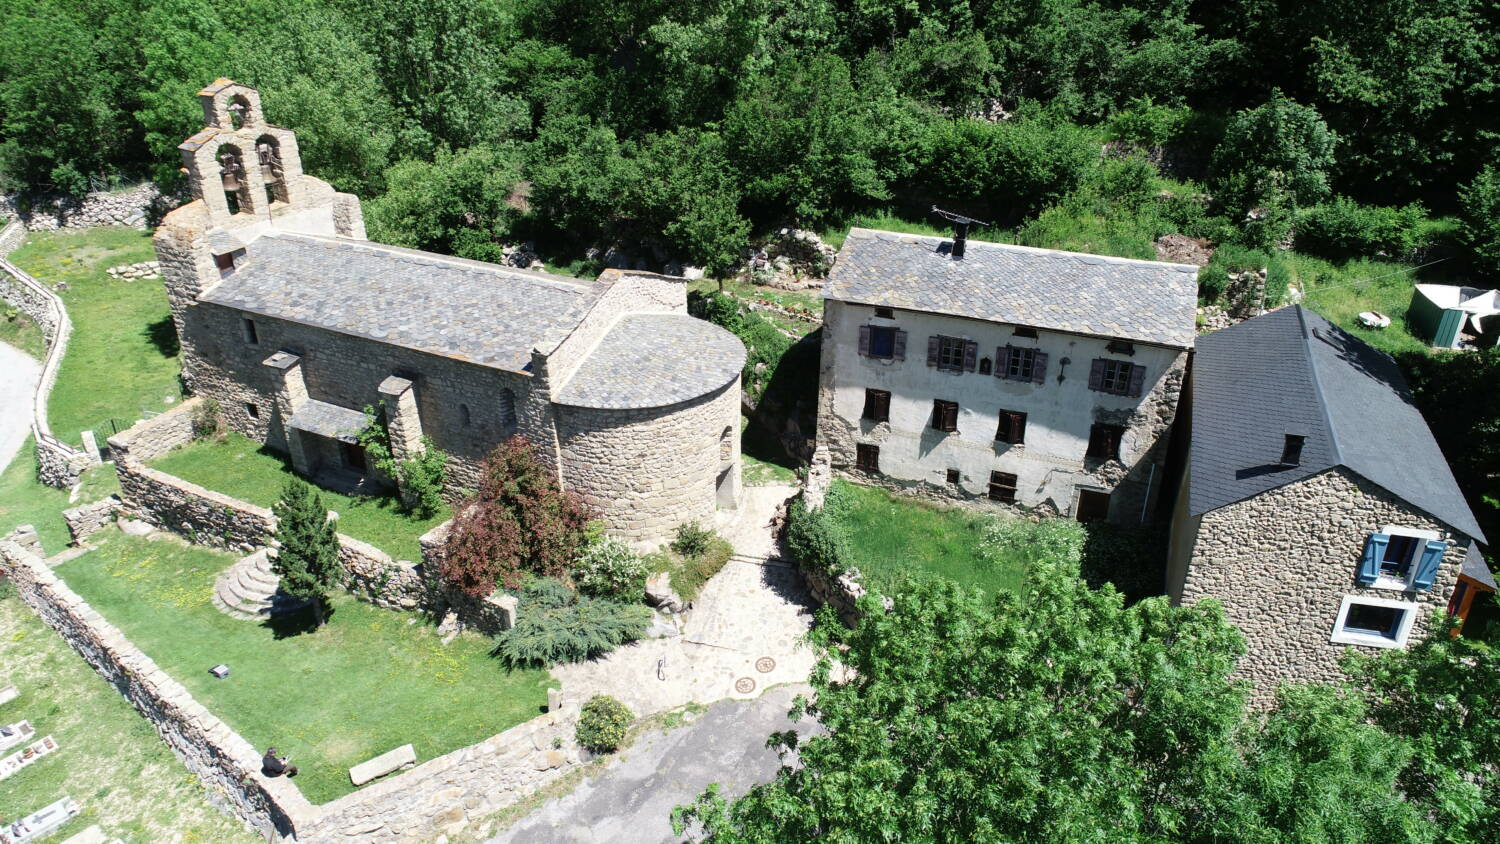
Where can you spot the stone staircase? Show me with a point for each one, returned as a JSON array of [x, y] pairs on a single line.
[[249, 589]]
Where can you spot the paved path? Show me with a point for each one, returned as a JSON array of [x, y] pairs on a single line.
[[631, 801], [18, 376]]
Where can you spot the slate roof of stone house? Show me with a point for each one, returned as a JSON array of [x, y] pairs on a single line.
[[328, 420], [1144, 301], [467, 310], [1292, 372], [1475, 567], [654, 360]]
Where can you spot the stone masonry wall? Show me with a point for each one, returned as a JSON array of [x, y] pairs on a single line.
[[227, 765], [202, 515], [372, 576], [85, 520], [151, 438], [129, 207], [1282, 562], [34, 303], [650, 470]]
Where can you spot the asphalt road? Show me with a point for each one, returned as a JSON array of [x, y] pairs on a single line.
[[18, 377], [631, 801]]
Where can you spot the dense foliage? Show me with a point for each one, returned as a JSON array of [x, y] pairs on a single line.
[[602, 724], [555, 624], [1458, 398], [610, 569], [307, 547], [519, 522], [686, 126], [421, 477]]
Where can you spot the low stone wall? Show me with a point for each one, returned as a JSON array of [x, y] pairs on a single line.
[[151, 438], [202, 515], [228, 766], [138, 206], [88, 519], [32, 301], [59, 464], [372, 576], [11, 237], [488, 615]]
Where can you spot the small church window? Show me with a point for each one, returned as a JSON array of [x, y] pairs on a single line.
[[251, 335], [508, 407], [463, 415], [252, 410]]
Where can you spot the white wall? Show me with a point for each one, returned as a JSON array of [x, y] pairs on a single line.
[[1050, 463]]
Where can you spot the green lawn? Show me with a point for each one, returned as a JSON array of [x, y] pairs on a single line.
[[109, 758], [369, 681], [19, 331], [890, 536], [24, 500], [243, 469], [122, 358]]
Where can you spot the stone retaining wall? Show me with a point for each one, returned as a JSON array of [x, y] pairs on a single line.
[[86, 520], [35, 303], [373, 576], [202, 515], [138, 206], [151, 438], [227, 765]]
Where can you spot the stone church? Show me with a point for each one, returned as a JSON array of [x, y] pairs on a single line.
[[294, 323]]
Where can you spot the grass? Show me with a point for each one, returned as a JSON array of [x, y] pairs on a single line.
[[244, 469], [20, 332], [24, 500], [109, 758], [689, 574], [121, 362], [762, 459], [368, 681], [890, 536]]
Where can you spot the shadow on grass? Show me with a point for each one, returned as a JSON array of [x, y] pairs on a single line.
[[163, 336], [296, 623], [1132, 559]]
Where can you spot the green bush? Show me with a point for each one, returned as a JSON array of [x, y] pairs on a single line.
[[765, 344], [814, 538], [692, 539], [610, 569], [602, 724], [1048, 540], [1342, 228], [1479, 227], [554, 624], [1213, 279], [1145, 124]]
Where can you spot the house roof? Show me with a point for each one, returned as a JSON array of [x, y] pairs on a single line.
[[1292, 372], [468, 310], [1476, 568], [1144, 301], [655, 360], [328, 420]]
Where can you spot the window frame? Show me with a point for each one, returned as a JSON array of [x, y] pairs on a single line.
[[951, 347], [944, 416], [883, 331], [862, 451], [1017, 369], [885, 313], [952, 477], [876, 400], [252, 409], [1097, 428], [1343, 635], [1420, 539], [1008, 491], [1121, 373], [1024, 331]]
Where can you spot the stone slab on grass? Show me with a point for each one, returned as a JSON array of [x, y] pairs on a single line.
[[8, 694], [402, 757]]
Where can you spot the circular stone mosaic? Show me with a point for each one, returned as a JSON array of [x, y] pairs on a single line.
[[765, 665], [744, 685]]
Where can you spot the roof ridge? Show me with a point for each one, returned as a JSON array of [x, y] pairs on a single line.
[[471, 264], [1308, 336], [1036, 250]]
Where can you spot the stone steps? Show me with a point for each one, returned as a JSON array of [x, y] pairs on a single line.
[[249, 589]]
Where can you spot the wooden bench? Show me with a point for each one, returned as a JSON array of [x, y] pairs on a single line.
[[373, 769]]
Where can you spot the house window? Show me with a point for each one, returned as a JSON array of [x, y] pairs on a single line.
[[225, 263], [951, 477], [252, 410], [1104, 441], [1291, 450], [945, 415], [1396, 561], [1120, 347], [1017, 363], [1373, 622], [1093, 506], [1023, 331], [251, 335], [877, 406], [1012, 427], [884, 313], [1003, 487], [882, 341], [867, 458], [951, 354], [1117, 377], [1401, 558]]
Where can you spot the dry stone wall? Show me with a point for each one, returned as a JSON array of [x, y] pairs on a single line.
[[1282, 562], [202, 515], [86, 520], [372, 576], [136, 206], [151, 438]]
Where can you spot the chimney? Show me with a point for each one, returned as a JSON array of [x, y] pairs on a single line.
[[960, 230]]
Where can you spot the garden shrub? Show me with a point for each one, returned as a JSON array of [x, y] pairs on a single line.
[[307, 548], [690, 573], [1047, 540], [519, 522], [602, 724], [1145, 124], [1213, 279], [610, 569], [208, 420], [555, 624], [692, 539], [814, 538], [1342, 228]]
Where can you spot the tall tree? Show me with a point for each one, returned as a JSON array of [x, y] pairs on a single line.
[[307, 553]]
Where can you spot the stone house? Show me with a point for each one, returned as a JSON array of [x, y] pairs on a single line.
[[294, 323], [1003, 375], [1316, 505]]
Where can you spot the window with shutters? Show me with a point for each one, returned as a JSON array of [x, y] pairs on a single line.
[[867, 458], [877, 406], [1373, 622], [1022, 364], [945, 415], [1012, 427], [882, 341], [1003, 487], [1401, 558], [1117, 377], [951, 353], [1104, 441]]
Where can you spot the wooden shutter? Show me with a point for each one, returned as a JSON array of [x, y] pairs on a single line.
[[1002, 362], [1428, 563], [1096, 374], [869, 411], [934, 348], [1038, 367], [864, 340], [1369, 563], [1137, 379], [898, 348], [882, 406], [971, 353], [950, 421], [1017, 427]]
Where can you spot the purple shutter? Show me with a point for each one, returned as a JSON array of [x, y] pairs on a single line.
[[971, 353], [1369, 562], [1096, 374], [934, 344], [1428, 563], [1137, 380], [864, 340], [898, 348], [1039, 367], [1002, 362]]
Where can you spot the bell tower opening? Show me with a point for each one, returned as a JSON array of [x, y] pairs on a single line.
[[232, 179], [272, 172]]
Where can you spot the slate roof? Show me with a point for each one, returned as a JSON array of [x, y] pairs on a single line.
[[654, 360], [1476, 568], [467, 310], [1144, 301], [328, 420], [1292, 372]]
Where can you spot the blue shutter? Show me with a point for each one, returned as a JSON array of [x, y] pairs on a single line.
[[1428, 563], [1369, 564]]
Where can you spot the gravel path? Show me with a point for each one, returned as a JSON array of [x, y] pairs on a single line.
[[18, 376]]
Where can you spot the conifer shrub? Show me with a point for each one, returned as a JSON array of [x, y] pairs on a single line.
[[692, 539], [555, 624], [307, 554], [602, 724]]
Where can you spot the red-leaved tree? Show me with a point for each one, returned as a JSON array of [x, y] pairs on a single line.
[[519, 523]]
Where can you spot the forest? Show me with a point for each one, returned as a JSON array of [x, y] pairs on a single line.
[[1359, 129]]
